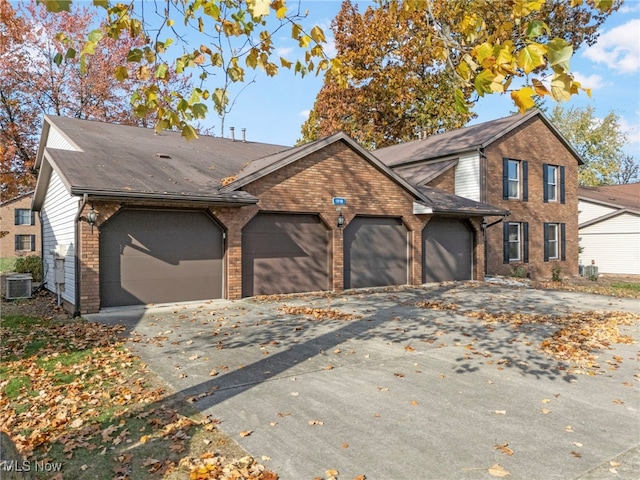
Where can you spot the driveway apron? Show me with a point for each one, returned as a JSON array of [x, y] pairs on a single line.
[[383, 387]]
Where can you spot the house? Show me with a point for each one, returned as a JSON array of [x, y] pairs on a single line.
[[609, 228], [133, 217], [519, 163], [20, 227]]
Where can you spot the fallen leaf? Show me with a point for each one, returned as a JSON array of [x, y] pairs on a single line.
[[618, 401], [546, 400], [614, 464], [414, 402], [545, 410], [246, 433], [213, 373], [315, 422], [569, 428], [345, 445], [501, 412], [331, 473], [409, 348], [399, 375], [504, 448], [577, 444], [497, 471], [576, 454]]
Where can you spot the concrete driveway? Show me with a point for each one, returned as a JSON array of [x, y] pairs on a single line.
[[400, 391]]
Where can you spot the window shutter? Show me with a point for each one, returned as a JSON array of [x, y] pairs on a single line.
[[33, 243], [33, 217], [505, 242], [17, 242], [505, 179], [561, 184], [545, 183], [563, 240], [546, 242], [525, 242], [16, 217], [525, 181]]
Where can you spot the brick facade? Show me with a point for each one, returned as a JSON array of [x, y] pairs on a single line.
[[7, 224], [535, 143]]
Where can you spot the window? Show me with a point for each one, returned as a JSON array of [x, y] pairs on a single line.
[[553, 183], [24, 216], [514, 179], [26, 243], [516, 242], [554, 241]]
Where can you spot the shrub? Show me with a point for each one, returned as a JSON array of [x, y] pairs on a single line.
[[30, 264], [556, 274], [520, 270]]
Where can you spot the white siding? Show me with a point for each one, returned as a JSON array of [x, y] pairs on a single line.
[[56, 140], [588, 211], [468, 176], [613, 244], [58, 228]]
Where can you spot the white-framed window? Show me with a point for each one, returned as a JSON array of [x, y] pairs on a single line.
[[513, 179], [515, 243], [25, 243], [552, 241], [551, 185], [23, 216]]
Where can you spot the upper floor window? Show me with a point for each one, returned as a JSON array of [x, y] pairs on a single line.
[[24, 216], [515, 179], [553, 183]]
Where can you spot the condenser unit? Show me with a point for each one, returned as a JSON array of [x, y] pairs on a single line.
[[18, 286]]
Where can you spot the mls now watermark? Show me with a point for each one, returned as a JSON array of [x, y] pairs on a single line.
[[29, 466]]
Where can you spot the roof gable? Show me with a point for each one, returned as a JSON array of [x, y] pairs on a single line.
[[464, 139]]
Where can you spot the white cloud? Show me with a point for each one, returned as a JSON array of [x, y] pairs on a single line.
[[619, 48], [593, 82], [631, 130], [284, 51], [304, 114]]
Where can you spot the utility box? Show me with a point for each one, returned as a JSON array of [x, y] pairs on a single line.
[[591, 271]]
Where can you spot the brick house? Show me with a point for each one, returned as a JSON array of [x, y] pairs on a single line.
[[22, 227], [132, 217], [519, 163]]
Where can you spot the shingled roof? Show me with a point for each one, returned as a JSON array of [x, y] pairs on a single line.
[[622, 196], [462, 140], [128, 161]]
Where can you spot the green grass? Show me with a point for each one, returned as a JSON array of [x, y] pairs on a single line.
[[7, 264], [634, 287]]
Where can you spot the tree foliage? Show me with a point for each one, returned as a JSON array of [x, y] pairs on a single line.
[[39, 75], [599, 141], [421, 64]]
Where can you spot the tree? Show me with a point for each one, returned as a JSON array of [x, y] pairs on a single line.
[[419, 66], [628, 171], [484, 44], [33, 82], [599, 141]]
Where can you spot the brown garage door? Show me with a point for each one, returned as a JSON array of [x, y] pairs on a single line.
[[447, 250], [153, 256], [284, 253], [375, 252]]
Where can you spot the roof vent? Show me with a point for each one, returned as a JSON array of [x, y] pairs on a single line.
[[233, 133], [163, 155], [244, 135]]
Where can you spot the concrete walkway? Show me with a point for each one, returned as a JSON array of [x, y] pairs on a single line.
[[400, 392]]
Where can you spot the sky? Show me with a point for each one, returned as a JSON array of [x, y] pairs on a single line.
[[272, 109]]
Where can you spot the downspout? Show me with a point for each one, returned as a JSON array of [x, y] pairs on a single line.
[[78, 269], [486, 242]]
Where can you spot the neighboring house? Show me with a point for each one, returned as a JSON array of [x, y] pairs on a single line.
[[176, 221], [22, 227], [609, 228], [519, 163]]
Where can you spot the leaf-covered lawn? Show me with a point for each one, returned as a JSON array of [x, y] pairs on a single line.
[[73, 395]]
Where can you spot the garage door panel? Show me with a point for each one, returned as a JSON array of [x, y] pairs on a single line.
[[376, 252], [284, 253], [447, 251], [149, 256]]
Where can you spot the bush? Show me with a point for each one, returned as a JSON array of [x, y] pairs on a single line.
[[556, 274], [30, 264], [520, 270]]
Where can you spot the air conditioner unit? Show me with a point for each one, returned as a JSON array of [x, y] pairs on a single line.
[[18, 286]]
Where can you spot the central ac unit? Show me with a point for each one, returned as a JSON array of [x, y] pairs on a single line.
[[18, 286]]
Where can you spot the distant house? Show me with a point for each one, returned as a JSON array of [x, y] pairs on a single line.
[[519, 163], [22, 228], [131, 217], [609, 228]]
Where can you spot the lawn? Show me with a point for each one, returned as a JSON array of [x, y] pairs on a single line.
[[78, 404]]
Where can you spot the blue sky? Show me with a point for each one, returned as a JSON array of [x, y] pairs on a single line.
[[273, 109]]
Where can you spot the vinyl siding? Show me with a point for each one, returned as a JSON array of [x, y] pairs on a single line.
[[613, 244], [588, 211], [58, 228], [468, 176], [57, 141]]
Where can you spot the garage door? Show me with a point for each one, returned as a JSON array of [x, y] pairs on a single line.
[[151, 256], [447, 250], [375, 252], [284, 253]]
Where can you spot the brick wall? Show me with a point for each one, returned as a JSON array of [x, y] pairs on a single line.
[[535, 143], [7, 224]]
